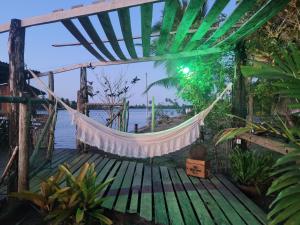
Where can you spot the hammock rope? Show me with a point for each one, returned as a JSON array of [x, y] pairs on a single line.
[[143, 145]]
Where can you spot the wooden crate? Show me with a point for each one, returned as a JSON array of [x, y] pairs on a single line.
[[197, 168]]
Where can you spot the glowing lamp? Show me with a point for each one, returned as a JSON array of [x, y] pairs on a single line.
[[186, 70]]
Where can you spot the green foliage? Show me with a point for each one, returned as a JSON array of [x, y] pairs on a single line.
[[68, 199], [283, 73], [251, 168]]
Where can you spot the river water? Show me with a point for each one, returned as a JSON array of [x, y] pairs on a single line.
[[65, 131]]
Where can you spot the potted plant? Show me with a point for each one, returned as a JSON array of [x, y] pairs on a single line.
[[251, 170]]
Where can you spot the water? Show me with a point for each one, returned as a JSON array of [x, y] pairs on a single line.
[[65, 131]]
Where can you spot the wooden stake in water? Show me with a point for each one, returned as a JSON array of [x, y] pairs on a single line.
[[153, 115]]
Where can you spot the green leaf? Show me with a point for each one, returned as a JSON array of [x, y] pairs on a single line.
[[79, 215]]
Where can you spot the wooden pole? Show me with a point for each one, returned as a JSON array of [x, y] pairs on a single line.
[[82, 100], [23, 162], [52, 126], [153, 115], [16, 45], [147, 99], [239, 101]]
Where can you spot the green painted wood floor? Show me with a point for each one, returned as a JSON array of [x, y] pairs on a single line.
[[160, 194]]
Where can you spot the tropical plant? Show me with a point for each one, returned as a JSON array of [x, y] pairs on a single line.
[[68, 199], [284, 72], [251, 168]]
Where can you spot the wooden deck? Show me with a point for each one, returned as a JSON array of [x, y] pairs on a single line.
[[163, 195]]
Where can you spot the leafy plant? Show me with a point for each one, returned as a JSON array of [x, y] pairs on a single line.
[[251, 168], [284, 72], [69, 199]]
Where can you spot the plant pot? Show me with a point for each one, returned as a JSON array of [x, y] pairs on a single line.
[[249, 190]]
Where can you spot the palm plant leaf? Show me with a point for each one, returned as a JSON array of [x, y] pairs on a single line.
[[167, 82]]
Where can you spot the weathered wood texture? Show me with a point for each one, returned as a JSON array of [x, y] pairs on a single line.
[[53, 122], [23, 162], [87, 10], [267, 143], [164, 195], [16, 45], [145, 59], [82, 100]]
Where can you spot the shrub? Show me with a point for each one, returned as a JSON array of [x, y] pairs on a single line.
[[251, 168], [68, 199]]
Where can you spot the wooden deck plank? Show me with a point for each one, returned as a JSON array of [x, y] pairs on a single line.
[[91, 31], [78, 35], [146, 23], [172, 204], [35, 181], [136, 188], [231, 214], [123, 197], [236, 204], [124, 18], [202, 212], [183, 200], [115, 186], [164, 195], [250, 205], [104, 172], [146, 195], [112, 172], [170, 11], [110, 34], [160, 210], [206, 24], [190, 14], [216, 212]]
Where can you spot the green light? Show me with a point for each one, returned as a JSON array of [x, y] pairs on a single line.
[[186, 70]]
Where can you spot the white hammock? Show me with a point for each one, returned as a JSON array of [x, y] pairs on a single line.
[[143, 145]]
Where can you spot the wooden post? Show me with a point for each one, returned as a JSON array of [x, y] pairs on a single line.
[[23, 163], [239, 94], [16, 45], [153, 115], [82, 100], [51, 111]]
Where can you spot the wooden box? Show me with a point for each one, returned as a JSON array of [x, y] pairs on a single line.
[[197, 168]]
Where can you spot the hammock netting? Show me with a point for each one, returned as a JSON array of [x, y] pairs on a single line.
[[134, 145]]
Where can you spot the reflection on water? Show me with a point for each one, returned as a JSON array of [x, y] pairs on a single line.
[[65, 131]]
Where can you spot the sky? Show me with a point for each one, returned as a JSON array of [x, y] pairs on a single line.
[[40, 55]]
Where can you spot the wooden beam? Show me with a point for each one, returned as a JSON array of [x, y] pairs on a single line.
[[267, 143], [139, 60], [16, 46], [77, 12], [23, 162], [125, 23], [146, 23], [78, 35], [207, 22], [91, 31], [190, 14], [242, 8], [266, 12], [110, 34], [23, 100], [170, 11], [154, 34]]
